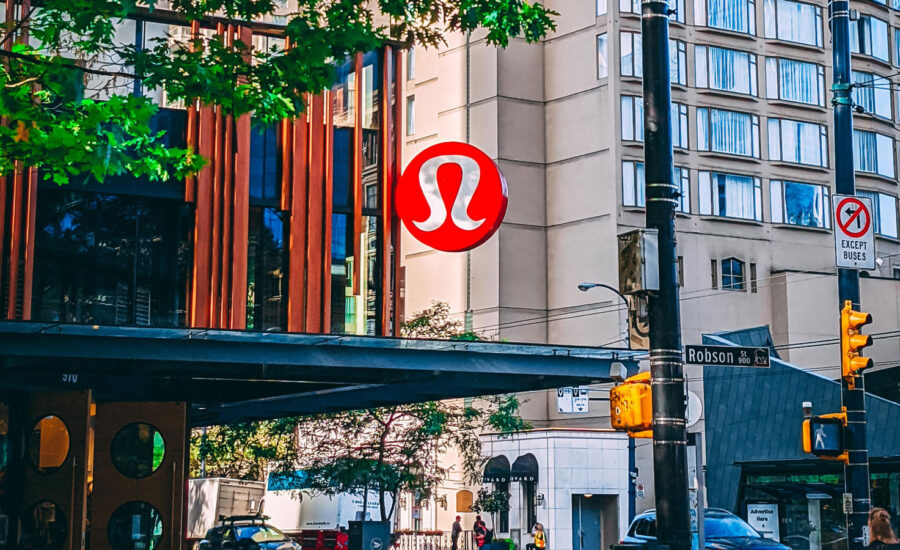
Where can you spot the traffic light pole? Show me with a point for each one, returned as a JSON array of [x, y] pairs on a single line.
[[856, 471], [666, 366]]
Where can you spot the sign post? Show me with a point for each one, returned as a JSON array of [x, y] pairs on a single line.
[[854, 232]]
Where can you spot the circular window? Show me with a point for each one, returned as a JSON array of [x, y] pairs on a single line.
[[44, 527], [138, 450], [48, 444], [135, 526]]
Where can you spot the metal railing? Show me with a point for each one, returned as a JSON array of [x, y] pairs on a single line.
[[429, 540]]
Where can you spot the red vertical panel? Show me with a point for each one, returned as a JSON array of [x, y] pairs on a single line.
[[314, 216], [387, 176], [30, 223], [398, 169], [357, 175], [15, 238], [202, 238], [215, 284], [190, 182], [241, 214], [227, 225], [3, 202], [286, 145], [297, 245], [329, 201]]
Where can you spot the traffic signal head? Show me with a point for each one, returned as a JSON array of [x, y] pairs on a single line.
[[823, 436], [852, 342], [630, 406]]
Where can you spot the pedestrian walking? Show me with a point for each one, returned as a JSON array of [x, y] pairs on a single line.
[[540, 538], [480, 530], [881, 535], [454, 534]]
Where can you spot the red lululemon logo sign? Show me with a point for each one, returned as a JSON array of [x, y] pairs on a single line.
[[452, 197]]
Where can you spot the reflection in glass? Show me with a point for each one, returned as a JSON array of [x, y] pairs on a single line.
[[267, 270], [138, 450], [48, 444], [109, 259], [135, 526], [4, 443], [44, 527]]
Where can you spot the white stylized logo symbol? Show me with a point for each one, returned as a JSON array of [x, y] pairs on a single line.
[[471, 175]]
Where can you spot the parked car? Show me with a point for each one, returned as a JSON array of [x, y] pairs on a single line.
[[246, 533], [723, 530]]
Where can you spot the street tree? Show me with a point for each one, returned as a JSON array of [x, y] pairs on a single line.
[[74, 86]]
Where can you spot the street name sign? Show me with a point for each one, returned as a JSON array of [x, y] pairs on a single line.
[[854, 232], [726, 356]]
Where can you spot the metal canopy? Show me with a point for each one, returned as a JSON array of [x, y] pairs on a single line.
[[233, 376]]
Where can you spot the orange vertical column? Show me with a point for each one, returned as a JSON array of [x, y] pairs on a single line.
[[297, 244], [241, 214], [314, 215], [203, 221], [3, 202], [29, 236], [398, 170], [226, 268], [17, 212], [387, 175], [286, 144], [357, 174], [215, 281], [327, 209]]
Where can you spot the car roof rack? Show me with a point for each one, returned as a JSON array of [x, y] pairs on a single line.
[[251, 518]]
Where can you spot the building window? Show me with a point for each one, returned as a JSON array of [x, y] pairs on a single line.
[[633, 193], [411, 64], [602, 60], [632, 118], [793, 22], [714, 273], [267, 263], [872, 93], [633, 121], [729, 132], [634, 6], [725, 69], [803, 204], [678, 62], [884, 215], [411, 115], [873, 153], [732, 274], [631, 57], [869, 36], [753, 287], [630, 6], [729, 15], [793, 80], [730, 196], [601, 7], [798, 142], [678, 6], [681, 271], [896, 42]]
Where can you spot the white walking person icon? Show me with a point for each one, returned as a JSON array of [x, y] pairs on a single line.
[[820, 437]]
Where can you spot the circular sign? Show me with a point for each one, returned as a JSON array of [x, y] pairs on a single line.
[[452, 197], [853, 217]]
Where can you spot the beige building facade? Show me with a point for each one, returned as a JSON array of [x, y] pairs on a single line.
[[754, 154]]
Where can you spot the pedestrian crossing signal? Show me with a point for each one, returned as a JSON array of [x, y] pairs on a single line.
[[823, 436], [630, 407], [852, 343]]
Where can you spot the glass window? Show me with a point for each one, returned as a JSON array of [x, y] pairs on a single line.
[[630, 6], [873, 153], [677, 62], [110, 259], [897, 40], [601, 7], [800, 142], [259, 533], [634, 6], [631, 54], [725, 69], [267, 261], [48, 444], [680, 125], [803, 204], [732, 274], [44, 526], [410, 115], [138, 450], [354, 304], [633, 193], [135, 526], [869, 36], [729, 132], [793, 22], [411, 63], [730, 196], [602, 61], [678, 6], [872, 93], [793, 80], [633, 121], [729, 15], [884, 215]]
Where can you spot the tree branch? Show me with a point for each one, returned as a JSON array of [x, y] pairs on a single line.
[[38, 60]]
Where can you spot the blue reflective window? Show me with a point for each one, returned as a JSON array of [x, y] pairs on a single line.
[[725, 69], [793, 22], [873, 153], [793, 80], [799, 142], [869, 36], [730, 15], [804, 204]]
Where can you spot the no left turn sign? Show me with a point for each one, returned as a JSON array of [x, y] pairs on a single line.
[[854, 235]]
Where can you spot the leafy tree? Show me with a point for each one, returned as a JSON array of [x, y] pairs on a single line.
[[492, 502], [67, 78], [244, 451]]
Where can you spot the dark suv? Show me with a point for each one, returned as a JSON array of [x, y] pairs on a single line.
[[246, 533], [723, 531]]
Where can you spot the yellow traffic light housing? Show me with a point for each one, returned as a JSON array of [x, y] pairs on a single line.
[[852, 343], [823, 436], [630, 406]]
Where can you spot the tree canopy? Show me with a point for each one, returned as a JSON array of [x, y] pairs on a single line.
[[68, 92]]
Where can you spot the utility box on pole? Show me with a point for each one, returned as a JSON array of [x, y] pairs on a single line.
[[639, 261]]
